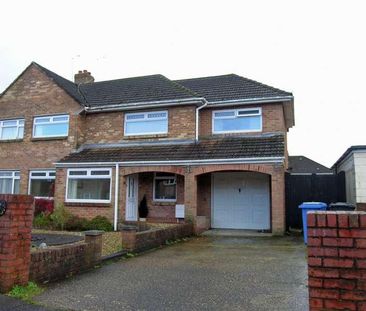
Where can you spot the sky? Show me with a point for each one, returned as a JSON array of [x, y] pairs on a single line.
[[314, 49]]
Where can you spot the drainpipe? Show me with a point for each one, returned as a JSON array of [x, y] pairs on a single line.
[[116, 190], [198, 116]]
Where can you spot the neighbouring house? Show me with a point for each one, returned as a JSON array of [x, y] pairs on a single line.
[[353, 164], [301, 165], [209, 150]]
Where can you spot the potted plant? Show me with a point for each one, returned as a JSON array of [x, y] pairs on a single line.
[[143, 209]]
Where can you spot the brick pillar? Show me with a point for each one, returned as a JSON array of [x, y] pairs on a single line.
[[15, 241], [94, 239], [337, 260], [190, 198], [128, 235], [278, 202]]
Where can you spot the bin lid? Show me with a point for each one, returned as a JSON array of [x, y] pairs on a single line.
[[313, 205]]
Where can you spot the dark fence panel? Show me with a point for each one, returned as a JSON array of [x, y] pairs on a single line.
[[307, 188]]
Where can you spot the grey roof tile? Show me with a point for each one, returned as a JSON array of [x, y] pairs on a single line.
[[304, 165], [226, 148]]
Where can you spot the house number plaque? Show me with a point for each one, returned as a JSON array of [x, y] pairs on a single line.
[[3, 207]]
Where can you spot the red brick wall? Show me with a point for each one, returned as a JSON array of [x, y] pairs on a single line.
[[273, 119], [15, 241], [337, 260], [108, 127], [34, 94]]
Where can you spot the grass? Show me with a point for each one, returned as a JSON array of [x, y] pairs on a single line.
[[25, 292]]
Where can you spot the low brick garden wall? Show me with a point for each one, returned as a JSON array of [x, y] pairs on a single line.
[[337, 260], [135, 241], [59, 262]]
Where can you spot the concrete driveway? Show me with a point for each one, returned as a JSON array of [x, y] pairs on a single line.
[[206, 273]]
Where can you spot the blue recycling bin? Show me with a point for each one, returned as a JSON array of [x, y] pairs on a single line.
[[306, 207]]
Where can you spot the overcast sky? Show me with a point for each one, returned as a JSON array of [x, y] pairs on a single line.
[[315, 49]]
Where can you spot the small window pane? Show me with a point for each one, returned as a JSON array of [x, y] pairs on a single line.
[[3, 174], [21, 122], [89, 189], [225, 114], [9, 133], [5, 185], [248, 112], [42, 120], [21, 132], [78, 173], [56, 129], [10, 123], [52, 174], [42, 187], [99, 173], [164, 190], [16, 174], [135, 116], [16, 186], [60, 118], [156, 115], [38, 174]]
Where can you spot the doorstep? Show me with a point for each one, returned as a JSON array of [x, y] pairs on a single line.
[[236, 233]]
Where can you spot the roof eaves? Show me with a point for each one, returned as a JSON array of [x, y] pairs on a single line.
[[348, 152]]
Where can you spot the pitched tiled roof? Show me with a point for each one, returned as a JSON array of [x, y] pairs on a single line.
[[134, 90], [155, 88], [304, 165], [232, 87], [227, 148]]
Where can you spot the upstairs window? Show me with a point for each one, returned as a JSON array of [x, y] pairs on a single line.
[[9, 182], [11, 129], [237, 120], [165, 187], [51, 126], [146, 123], [42, 183], [89, 185]]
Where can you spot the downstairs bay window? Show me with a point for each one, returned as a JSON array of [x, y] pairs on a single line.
[[89, 185], [9, 182], [165, 187], [42, 183]]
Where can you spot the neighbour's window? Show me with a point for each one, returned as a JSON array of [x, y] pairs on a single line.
[[9, 182], [165, 187], [237, 120], [11, 129], [51, 126], [146, 123], [42, 183], [88, 185]]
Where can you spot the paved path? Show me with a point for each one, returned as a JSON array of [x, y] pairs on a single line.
[[12, 304], [208, 273]]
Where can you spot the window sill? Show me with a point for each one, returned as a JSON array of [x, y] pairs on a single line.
[[11, 140], [145, 136], [162, 203], [82, 204], [49, 138]]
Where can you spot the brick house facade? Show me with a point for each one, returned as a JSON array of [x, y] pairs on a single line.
[[103, 165]]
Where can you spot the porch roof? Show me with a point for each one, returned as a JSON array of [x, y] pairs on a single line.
[[231, 148]]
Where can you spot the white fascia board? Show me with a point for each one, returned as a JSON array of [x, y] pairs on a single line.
[[266, 160]]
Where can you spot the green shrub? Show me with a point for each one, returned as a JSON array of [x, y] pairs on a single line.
[[60, 216], [42, 221], [76, 223], [25, 292], [100, 223]]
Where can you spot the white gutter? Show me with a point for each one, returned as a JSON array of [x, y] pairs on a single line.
[[250, 101], [141, 105], [116, 191], [178, 162], [198, 117]]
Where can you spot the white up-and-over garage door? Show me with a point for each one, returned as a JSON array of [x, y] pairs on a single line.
[[240, 200]]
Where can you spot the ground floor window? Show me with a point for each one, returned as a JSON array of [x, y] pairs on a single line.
[[9, 182], [42, 183], [165, 187], [89, 185]]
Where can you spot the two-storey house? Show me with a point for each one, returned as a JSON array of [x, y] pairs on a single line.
[[208, 150]]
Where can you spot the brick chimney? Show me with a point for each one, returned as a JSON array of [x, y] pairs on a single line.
[[83, 77]]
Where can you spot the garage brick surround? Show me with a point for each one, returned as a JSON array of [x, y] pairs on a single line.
[[38, 92]]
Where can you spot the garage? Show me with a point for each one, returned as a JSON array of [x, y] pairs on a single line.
[[240, 200]]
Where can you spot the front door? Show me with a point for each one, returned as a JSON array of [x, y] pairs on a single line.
[[132, 184]]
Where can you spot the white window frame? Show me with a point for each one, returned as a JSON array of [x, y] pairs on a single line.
[[51, 122], [165, 177], [88, 176], [236, 112], [13, 177], [2, 126], [145, 113], [47, 176]]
